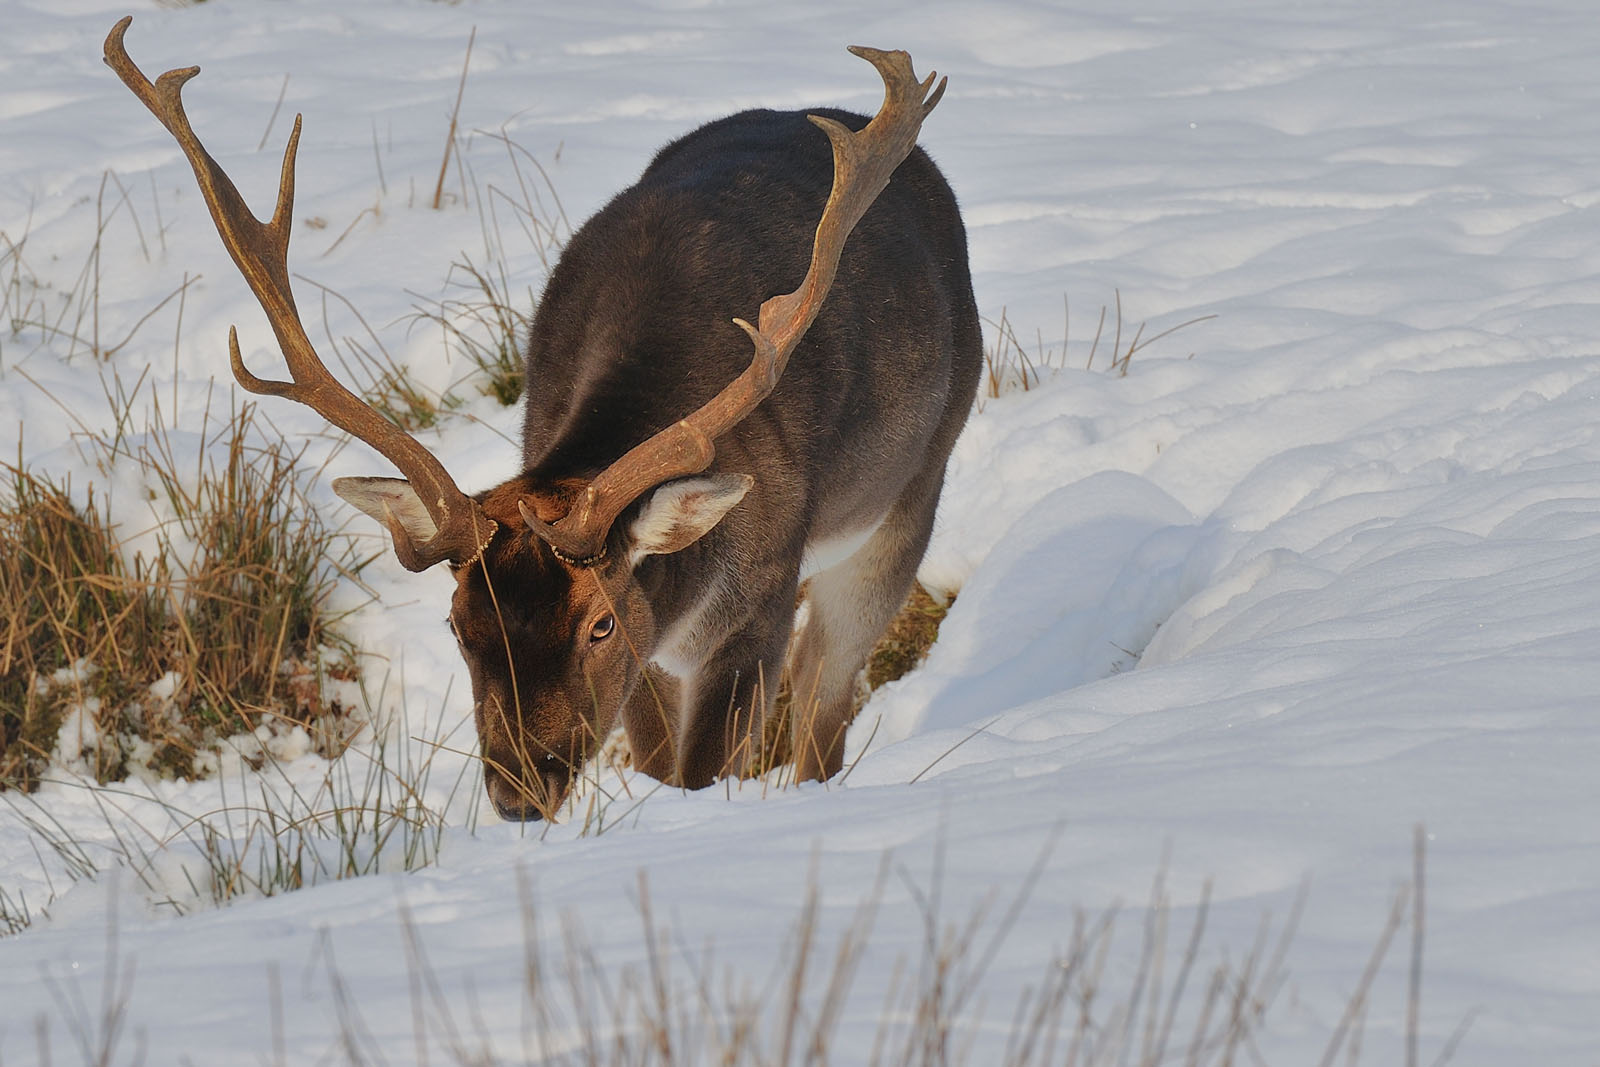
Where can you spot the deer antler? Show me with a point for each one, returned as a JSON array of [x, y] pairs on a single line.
[[261, 252], [862, 165]]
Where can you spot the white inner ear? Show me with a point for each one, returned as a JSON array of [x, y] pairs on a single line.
[[679, 513], [371, 494]]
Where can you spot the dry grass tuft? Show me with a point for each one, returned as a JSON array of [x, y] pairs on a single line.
[[489, 320], [61, 594], [485, 325], [1010, 367], [114, 662]]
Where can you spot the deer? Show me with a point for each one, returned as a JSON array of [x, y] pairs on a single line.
[[704, 504]]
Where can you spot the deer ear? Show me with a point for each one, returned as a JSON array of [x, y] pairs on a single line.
[[679, 513], [371, 495]]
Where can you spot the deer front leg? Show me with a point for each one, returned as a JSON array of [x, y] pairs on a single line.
[[651, 717], [727, 712]]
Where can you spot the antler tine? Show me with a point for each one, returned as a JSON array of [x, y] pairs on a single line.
[[863, 163], [261, 252]]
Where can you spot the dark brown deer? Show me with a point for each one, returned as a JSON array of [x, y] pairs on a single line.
[[675, 491]]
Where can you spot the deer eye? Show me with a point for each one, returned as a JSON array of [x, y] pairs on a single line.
[[602, 628]]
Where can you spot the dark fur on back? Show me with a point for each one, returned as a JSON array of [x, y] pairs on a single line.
[[635, 328]]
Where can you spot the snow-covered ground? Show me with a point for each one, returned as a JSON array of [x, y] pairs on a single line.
[[1314, 572]]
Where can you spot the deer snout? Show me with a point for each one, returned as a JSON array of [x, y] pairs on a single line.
[[527, 775], [529, 792]]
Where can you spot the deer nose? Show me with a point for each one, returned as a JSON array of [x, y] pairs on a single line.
[[513, 804]]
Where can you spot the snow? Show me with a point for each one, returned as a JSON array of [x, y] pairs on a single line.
[[1316, 571]]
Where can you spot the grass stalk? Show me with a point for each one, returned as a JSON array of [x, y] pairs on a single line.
[[1010, 367]]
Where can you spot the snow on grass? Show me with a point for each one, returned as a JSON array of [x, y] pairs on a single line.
[[1248, 616]]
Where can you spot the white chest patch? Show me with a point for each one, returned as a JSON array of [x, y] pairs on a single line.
[[830, 551], [677, 652]]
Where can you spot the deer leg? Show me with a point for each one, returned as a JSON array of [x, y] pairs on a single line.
[[848, 607], [733, 695], [651, 718]]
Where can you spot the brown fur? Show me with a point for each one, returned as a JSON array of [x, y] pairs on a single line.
[[632, 334]]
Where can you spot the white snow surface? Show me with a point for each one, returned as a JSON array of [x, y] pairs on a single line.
[[1316, 571]]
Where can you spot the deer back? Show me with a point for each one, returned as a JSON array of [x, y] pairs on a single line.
[[633, 328]]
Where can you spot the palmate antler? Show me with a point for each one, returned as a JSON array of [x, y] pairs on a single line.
[[261, 252], [862, 165]]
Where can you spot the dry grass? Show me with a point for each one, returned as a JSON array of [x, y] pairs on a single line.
[[150, 658], [1009, 366], [70, 315], [380, 379], [488, 321], [904, 645], [831, 991], [484, 324], [451, 148], [270, 833], [55, 609]]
